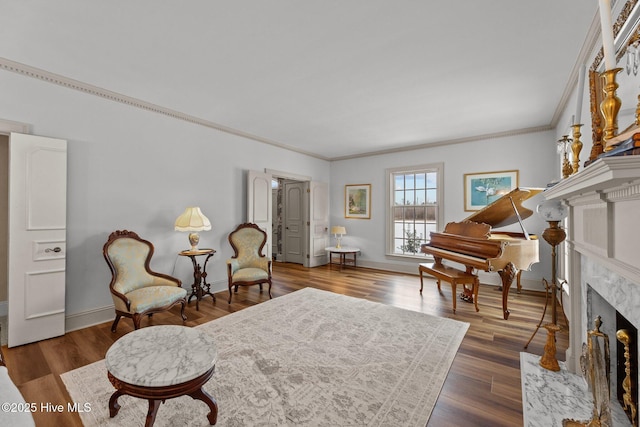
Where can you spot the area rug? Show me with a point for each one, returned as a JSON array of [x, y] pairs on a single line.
[[309, 358]]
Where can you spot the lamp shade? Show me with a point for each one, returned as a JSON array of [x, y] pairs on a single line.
[[552, 210], [337, 229], [192, 219]]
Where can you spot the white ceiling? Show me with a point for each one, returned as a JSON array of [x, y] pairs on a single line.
[[332, 78]]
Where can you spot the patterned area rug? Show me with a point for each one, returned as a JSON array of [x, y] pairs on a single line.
[[309, 358]]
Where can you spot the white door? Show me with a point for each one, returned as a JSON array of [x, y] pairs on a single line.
[[259, 204], [294, 222], [318, 223], [37, 238]]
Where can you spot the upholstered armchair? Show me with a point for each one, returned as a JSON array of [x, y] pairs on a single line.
[[136, 290], [248, 266]]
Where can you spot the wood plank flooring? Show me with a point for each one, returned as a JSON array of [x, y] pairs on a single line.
[[482, 388]]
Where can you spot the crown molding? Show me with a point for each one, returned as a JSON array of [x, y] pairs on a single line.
[[60, 80], [484, 137]]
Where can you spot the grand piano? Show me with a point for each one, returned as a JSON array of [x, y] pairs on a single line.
[[475, 244]]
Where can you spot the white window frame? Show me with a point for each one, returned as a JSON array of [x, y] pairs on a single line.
[[390, 173]]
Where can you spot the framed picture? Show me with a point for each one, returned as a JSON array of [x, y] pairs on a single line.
[[357, 201], [482, 189]]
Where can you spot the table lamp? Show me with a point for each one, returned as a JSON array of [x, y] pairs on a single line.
[[338, 230], [192, 219]]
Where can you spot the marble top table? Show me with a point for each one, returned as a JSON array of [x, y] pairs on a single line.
[[162, 362], [343, 251]]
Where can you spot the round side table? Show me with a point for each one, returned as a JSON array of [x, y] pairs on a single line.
[[343, 252], [200, 288], [162, 362]]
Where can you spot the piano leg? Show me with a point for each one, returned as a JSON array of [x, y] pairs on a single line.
[[519, 284], [507, 275]]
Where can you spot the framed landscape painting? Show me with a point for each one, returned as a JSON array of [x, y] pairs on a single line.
[[482, 189], [357, 201]]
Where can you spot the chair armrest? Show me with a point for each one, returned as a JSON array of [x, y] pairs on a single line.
[[264, 263], [232, 266]]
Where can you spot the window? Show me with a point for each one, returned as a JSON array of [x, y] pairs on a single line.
[[414, 208]]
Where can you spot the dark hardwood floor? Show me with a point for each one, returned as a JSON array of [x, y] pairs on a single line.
[[482, 388]]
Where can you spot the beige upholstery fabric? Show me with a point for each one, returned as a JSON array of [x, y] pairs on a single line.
[[135, 289], [248, 266]]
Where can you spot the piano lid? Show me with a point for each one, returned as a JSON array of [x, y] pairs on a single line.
[[500, 213]]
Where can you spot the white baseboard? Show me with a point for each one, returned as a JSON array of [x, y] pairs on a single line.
[[82, 320]]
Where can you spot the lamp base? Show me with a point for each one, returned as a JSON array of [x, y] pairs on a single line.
[[548, 360], [194, 239], [338, 245]]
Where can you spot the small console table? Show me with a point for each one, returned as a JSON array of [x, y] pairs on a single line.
[[162, 362], [200, 288], [343, 252]]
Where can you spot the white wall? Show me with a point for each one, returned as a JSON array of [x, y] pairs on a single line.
[[133, 169], [533, 154]]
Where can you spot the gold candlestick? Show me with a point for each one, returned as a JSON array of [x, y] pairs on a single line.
[[627, 384], [610, 105], [566, 166], [563, 147], [576, 147]]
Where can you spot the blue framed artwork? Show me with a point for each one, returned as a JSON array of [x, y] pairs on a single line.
[[483, 188]]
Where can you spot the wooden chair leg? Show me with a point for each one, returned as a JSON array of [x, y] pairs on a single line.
[[115, 323], [421, 282], [453, 293], [183, 303], [136, 320], [476, 289]]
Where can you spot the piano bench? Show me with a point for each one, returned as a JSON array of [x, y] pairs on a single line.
[[453, 276]]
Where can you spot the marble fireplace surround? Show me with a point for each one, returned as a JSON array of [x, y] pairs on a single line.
[[603, 242]]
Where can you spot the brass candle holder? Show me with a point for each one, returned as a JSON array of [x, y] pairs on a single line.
[[563, 148], [627, 384], [610, 105], [576, 147]]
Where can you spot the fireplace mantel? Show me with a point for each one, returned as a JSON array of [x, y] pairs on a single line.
[[603, 175], [604, 201], [603, 228]]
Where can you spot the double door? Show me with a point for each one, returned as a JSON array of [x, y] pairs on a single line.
[[307, 216]]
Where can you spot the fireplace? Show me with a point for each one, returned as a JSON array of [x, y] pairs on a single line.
[[611, 297], [602, 266]]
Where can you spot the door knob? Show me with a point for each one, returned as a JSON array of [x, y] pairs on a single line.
[[56, 249]]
